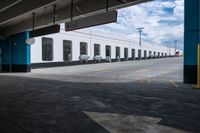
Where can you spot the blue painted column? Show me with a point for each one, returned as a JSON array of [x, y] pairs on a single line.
[[16, 53], [191, 40]]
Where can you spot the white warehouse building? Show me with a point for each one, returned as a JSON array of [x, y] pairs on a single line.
[[85, 46]]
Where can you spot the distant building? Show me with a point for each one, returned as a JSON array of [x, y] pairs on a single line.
[[84, 46]]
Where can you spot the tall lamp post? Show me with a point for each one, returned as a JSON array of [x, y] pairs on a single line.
[[175, 42], [140, 38], [140, 34]]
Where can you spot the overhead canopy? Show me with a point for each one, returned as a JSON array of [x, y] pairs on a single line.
[[16, 15]]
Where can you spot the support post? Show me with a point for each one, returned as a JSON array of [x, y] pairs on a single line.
[[191, 40], [16, 53], [198, 68]]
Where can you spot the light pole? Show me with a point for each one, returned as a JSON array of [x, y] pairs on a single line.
[[140, 34], [90, 44], [169, 49], [175, 41], [140, 38]]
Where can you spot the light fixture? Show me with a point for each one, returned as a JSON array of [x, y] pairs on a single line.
[[30, 41], [55, 28]]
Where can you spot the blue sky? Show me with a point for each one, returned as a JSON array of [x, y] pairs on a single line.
[[162, 21]]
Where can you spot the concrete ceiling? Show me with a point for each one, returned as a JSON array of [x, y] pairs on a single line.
[[16, 15]]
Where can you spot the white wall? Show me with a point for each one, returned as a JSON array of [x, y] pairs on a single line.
[[91, 37]]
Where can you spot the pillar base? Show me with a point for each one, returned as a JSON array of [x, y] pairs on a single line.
[[16, 68], [190, 74]]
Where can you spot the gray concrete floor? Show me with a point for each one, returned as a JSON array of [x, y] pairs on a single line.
[[137, 97], [111, 72]]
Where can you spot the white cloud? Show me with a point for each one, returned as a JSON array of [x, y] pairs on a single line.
[[161, 26]]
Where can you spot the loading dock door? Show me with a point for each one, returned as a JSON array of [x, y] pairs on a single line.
[[97, 49], [118, 53], [67, 50], [145, 54], [154, 54], [108, 53], [139, 54], [150, 54], [133, 54], [126, 54], [108, 50]]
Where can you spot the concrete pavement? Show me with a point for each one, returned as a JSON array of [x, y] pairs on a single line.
[[47, 101], [110, 72]]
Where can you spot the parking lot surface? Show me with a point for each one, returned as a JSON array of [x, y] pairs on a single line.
[[145, 96]]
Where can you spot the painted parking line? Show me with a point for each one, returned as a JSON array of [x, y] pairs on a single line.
[[148, 80], [122, 123], [174, 83], [144, 81], [103, 69], [143, 70]]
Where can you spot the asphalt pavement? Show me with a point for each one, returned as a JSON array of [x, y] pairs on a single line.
[[145, 96]]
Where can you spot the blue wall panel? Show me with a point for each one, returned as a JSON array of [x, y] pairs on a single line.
[[17, 53], [6, 51], [192, 29], [191, 39], [192, 13], [20, 50], [190, 52]]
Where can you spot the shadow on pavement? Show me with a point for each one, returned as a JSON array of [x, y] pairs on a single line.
[[48, 106]]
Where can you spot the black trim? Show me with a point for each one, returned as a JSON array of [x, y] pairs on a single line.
[[131, 59], [115, 60], [16, 68], [59, 64], [53, 64], [123, 59], [190, 74], [143, 58]]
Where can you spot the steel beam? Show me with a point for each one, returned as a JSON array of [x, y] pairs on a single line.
[[24, 7], [64, 14], [6, 4]]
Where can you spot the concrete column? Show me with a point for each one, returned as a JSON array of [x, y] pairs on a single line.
[[16, 53], [191, 40]]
